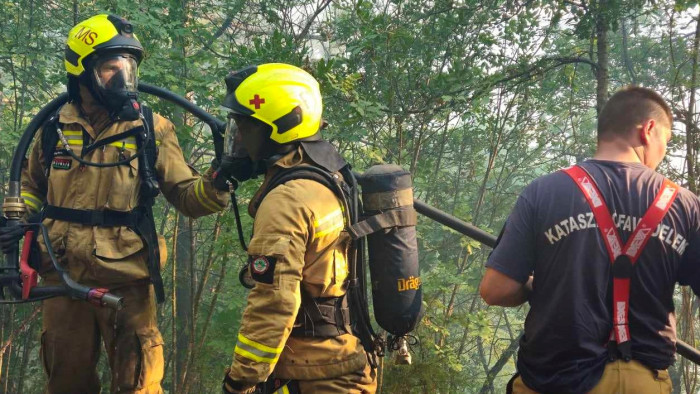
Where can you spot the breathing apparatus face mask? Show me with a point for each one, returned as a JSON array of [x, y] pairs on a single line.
[[234, 140], [236, 164], [115, 83]]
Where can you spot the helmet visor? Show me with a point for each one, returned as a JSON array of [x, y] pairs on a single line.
[[116, 73]]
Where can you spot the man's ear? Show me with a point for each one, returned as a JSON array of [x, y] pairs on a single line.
[[645, 131]]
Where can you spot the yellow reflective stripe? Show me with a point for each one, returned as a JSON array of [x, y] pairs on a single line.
[[329, 223], [33, 201], [330, 216], [283, 390], [254, 357], [122, 144], [128, 140], [157, 142], [203, 199], [72, 132], [74, 138], [335, 227], [259, 346], [212, 204], [70, 142], [257, 351]]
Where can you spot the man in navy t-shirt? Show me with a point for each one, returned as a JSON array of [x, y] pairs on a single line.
[[552, 254]]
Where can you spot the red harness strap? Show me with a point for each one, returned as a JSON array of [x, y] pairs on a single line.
[[622, 258]]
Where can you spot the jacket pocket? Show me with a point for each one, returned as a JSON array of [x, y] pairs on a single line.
[[116, 243], [124, 181], [119, 256]]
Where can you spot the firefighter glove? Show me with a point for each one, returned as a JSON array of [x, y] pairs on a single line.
[[230, 386], [9, 236], [232, 171]]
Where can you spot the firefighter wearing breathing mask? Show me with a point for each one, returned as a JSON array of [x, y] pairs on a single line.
[[297, 258], [95, 212]]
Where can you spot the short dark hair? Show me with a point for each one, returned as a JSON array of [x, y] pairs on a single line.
[[629, 107]]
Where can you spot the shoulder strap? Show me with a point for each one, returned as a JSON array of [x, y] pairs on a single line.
[[146, 139], [146, 227], [148, 115], [624, 257], [49, 139], [305, 172], [106, 141], [641, 234]]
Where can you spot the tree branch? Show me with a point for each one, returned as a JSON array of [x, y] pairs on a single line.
[[505, 356], [311, 20]]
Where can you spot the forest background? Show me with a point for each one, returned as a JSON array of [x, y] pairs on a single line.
[[475, 97]]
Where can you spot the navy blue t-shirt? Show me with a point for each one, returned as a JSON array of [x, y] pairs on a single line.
[[552, 235]]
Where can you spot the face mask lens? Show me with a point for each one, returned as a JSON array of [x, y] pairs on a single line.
[[233, 140], [238, 148], [230, 136], [117, 73]]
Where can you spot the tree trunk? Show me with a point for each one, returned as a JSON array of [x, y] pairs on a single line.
[[183, 290], [625, 52], [207, 266], [691, 132], [207, 322], [686, 321], [602, 76]]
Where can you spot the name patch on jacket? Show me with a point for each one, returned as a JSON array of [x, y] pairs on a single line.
[[61, 163], [262, 268]]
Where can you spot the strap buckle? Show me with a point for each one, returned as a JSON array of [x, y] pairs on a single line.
[[618, 351]]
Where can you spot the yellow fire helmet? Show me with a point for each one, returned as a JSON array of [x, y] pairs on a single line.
[[283, 96], [99, 34]]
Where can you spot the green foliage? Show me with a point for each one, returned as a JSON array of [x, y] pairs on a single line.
[[475, 98]]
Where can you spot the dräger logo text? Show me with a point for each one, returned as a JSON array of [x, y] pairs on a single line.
[[412, 283]]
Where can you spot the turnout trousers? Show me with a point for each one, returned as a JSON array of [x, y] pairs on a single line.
[[620, 377], [359, 382], [363, 381], [71, 336]]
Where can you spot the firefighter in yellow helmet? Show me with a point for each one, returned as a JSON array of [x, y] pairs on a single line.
[[298, 256], [98, 212]]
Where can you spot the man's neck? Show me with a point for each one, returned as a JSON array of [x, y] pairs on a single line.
[[94, 112], [617, 150]]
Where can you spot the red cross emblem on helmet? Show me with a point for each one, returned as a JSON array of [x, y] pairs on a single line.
[[257, 101]]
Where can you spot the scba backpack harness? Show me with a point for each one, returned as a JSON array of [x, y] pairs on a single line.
[[387, 224], [140, 219], [622, 258]]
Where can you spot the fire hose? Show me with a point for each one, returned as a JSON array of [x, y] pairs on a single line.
[[21, 280], [17, 276]]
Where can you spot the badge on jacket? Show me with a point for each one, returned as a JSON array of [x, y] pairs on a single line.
[[61, 163], [262, 268]]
